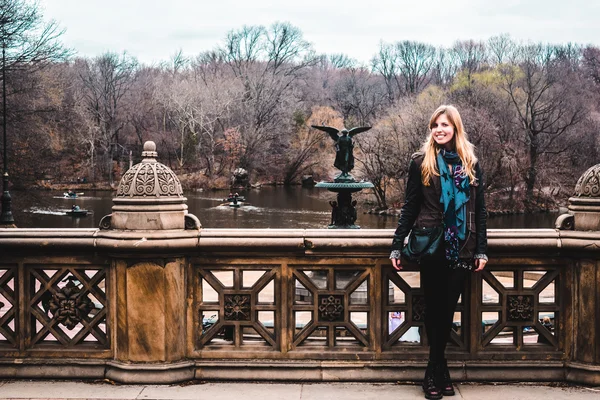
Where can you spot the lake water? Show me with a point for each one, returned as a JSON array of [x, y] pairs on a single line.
[[267, 207]]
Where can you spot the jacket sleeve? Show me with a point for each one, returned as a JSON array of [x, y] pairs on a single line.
[[480, 214], [412, 205]]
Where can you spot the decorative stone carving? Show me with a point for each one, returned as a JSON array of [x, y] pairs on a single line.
[[237, 307], [418, 308], [520, 307], [149, 197], [589, 183], [149, 178], [69, 306], [192, 222], [585, 204], [331, 307], [105, 222], [565, 222]]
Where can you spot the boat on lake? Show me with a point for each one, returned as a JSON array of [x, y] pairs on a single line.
[[232, 198], [77, 213], [71, 195]]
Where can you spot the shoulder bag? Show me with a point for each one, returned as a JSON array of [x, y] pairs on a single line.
[[423, 243]]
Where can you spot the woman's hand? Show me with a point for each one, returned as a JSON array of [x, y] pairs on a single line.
[[397, 264], [480, 264]]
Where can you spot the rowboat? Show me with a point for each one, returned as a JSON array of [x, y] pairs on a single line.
[[77, 213]]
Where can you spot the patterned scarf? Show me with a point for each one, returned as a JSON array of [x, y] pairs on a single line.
[[455, 194]]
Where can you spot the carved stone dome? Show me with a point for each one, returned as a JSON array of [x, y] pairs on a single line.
[[149, 197], [588, 184], [149, 178], [584, 206]]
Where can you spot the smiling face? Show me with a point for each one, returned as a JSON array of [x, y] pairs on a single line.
[[442, 132]]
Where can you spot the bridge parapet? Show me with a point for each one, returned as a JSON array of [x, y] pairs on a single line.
[[173, 305]]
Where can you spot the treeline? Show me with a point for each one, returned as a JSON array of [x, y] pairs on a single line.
[[531, 109]]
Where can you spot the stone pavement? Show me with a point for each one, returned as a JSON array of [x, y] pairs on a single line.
[[287, 391]]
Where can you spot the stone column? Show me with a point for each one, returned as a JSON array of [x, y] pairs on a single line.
[[148, 223], [584, 219]]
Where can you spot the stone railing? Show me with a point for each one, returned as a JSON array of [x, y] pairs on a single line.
[[174, 305]]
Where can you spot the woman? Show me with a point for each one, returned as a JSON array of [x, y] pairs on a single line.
[[444, 189]]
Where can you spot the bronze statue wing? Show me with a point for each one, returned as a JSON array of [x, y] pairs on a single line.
[[357, 130], [333, 133]]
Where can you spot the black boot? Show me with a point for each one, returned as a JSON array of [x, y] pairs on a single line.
[[442, 379], [429, 387]]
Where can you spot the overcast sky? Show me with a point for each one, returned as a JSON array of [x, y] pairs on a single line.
[[154, 30]]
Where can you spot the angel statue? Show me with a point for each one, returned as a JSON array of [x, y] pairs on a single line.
[[344, 159]]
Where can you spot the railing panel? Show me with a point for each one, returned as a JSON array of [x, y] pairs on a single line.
[[520, 309], [9, 297], [237, 307], [66, 306], [332, 307], [55, 304]]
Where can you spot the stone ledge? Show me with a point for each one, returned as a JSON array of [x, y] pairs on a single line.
[[295, 371], [583, 373], [373, 242], [150, 373]]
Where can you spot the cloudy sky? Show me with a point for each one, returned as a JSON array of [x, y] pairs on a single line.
[[154, 30]]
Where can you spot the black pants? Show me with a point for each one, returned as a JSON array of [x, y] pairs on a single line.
[[442, 287]]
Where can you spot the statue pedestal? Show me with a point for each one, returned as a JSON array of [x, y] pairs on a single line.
[[343, 213]]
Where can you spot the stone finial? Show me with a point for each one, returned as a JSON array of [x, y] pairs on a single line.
[[149, 178], [149, 150], [584, 206], [149, 197]]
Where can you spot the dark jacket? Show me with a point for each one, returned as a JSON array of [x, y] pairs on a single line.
[[422, 208]]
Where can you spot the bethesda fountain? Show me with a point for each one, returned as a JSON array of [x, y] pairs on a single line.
[[343, 213]]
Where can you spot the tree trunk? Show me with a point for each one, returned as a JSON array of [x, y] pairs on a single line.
[[531, 177]]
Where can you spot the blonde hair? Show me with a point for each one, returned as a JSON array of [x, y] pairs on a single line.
[[464, 148]]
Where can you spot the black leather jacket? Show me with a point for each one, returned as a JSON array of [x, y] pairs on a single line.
[[422, 208]]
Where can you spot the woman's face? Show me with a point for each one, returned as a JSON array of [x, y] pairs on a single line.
[[443, 132]]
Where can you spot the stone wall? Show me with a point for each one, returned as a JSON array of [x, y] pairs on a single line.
[[175, 305]]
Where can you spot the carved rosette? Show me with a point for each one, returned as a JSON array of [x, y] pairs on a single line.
[[520, 308], [589, 183], [237, 307], [149, 178], [69, 306], [331, 308]]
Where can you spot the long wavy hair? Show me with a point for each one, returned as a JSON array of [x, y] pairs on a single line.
[[460, 141]]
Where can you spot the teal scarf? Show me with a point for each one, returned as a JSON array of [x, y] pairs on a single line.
[[455, 195]]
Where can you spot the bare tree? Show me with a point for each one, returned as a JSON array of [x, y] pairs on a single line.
[[544, 98], [29, 45], [341, 61], [405, 67], [106, 80], [197, 109], [28, 42], [359, 96], [415, 61], [469, 56], [267, 62], [386, 150], [501, 48], [386, 64], [303, 153]]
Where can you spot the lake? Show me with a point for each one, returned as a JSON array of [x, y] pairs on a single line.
[[267, 207]]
